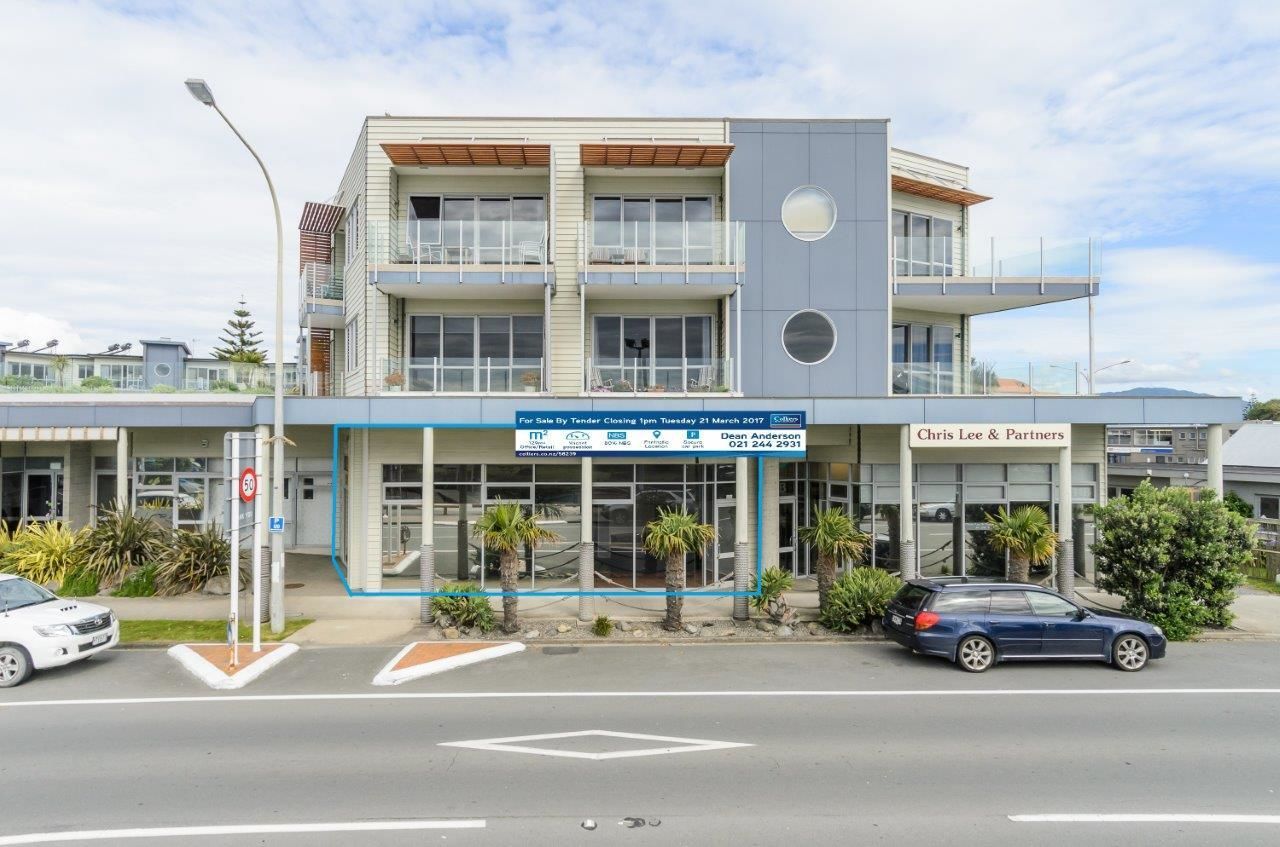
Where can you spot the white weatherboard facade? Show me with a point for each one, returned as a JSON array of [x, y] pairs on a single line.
[[462, 271]]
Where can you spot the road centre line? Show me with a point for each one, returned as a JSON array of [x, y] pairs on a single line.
[[237, 829], [533, 695], [1144, 818]]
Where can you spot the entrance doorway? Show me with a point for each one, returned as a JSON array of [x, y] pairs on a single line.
[[726, 535], [308, 503], [787, 559]]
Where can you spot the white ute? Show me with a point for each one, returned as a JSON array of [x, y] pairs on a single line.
[[39, 630]]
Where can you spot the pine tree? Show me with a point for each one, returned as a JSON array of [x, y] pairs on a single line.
[[241, 342]]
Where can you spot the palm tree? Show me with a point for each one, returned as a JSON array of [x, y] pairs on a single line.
[[836, 539], [507, 530], [675, 534], [1026, 535]]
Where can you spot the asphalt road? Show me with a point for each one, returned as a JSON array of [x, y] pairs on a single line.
[[900, 749]]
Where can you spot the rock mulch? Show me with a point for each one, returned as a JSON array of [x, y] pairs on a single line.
[[650, 629]]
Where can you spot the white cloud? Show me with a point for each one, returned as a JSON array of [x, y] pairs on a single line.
[[134, 212]]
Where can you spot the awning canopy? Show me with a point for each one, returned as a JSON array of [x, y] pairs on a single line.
[[937, 191], [58, 433], [468, 154], [320, 217], [655, 155]]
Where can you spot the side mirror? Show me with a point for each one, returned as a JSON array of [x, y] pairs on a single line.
[[1081, 614]]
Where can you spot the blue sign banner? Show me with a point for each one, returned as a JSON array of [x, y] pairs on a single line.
[[646, 433]]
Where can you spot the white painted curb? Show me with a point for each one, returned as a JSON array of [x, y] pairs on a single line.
[[214, 678], [387, 676]]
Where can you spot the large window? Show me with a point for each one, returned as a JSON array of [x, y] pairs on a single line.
[[122, 375], [923, 359], [36, 371], [182, 492], [639, 352], [479, 230], [475, 353], [922, 245], [653, 230]]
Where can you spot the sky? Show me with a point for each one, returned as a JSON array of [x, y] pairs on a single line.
[[1153, 127]]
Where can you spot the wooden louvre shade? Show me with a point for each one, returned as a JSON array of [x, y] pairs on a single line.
[[948, 194], [655, 155], [468, 154]]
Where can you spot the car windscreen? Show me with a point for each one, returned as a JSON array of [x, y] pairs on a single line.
[[16, 593], [911, 596], [961, 602]]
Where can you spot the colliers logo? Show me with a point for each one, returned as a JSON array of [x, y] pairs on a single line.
[[786, 420]]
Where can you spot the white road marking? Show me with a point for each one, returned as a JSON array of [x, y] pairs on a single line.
[[684, 745], [243, 829], [1144, 818], [544, 695]]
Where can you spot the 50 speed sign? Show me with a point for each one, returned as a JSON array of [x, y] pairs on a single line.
[[248, 485]]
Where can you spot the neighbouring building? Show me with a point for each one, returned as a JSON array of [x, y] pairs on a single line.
[[462, 270]]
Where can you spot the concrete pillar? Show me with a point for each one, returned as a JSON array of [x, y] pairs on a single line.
[[1066, 547], [427, 553], [1214, 446], [77, 476], [741, 551], [769, 518], [586, 549], [122, 467], [906, 518]]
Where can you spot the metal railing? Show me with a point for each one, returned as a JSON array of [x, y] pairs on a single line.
[[660, 244], [660, 376], [320, 281], [994, 259], [989, 378], [463, 375], [194, 378]]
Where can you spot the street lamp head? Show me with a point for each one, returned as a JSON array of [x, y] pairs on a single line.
[[200, 90]]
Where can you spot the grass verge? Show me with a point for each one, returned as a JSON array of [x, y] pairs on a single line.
[[205, 631], [1263, 584]]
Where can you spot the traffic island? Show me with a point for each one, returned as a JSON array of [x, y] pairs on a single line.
[[212, 663], [425, 658]]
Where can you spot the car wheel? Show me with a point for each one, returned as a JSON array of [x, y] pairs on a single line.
[[15, 666], [942, 515], [1130, 653], [975, 654]]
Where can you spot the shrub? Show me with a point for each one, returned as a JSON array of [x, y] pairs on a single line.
[[96, 383], [45, 551], [602, 627], [140, 583], [223, 385], [859, 597], [449, 607], [80, 582], [191, 560], [1237, 504], [163, 388], [121, 541], [773, 582], [1175, 559]]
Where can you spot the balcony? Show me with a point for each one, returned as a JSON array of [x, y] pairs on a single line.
[[206, 377], [320, 296], [957, 275], [709, 256], [406, 256], [989, 379], [660, 377], [463, 375]]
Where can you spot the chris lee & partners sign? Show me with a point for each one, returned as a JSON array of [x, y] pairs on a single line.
[[570, 434], [991, 435]]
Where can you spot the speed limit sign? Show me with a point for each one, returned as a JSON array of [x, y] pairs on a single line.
[[248, 485]]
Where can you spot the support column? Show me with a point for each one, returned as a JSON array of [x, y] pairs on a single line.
[[741, 517], [586, 549], [1066, 547], [906, 524], [1214, 446], [427, 553], [122, 467], [769, 516]]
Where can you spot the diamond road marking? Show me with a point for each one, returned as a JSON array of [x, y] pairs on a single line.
[[683, 745]]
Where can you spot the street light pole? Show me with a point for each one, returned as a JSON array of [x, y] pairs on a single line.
[[200, 90]]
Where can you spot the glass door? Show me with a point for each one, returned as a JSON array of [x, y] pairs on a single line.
[[637, 342], [44, 495], [726, 534], [787, 537]]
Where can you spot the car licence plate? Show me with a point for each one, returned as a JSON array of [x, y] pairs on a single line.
[[897, 619], [100, 639]]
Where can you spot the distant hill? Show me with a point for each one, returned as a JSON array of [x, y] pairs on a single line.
[[1153, 391]]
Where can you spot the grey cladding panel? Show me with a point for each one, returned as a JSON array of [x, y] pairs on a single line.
[[872, 152], [783, 377], [745, 167], [786, 167], [832, 260], [831, 168], [872, 356], [837, 376], [785, 267], [872, 263]]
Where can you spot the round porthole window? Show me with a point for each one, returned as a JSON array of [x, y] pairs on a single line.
[[809, 213], [163, 370], [809, 337]]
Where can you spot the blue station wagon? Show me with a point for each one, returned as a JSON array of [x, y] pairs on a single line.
[[976, 624]]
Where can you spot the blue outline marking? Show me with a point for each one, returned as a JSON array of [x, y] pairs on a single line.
[[338, 491]]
